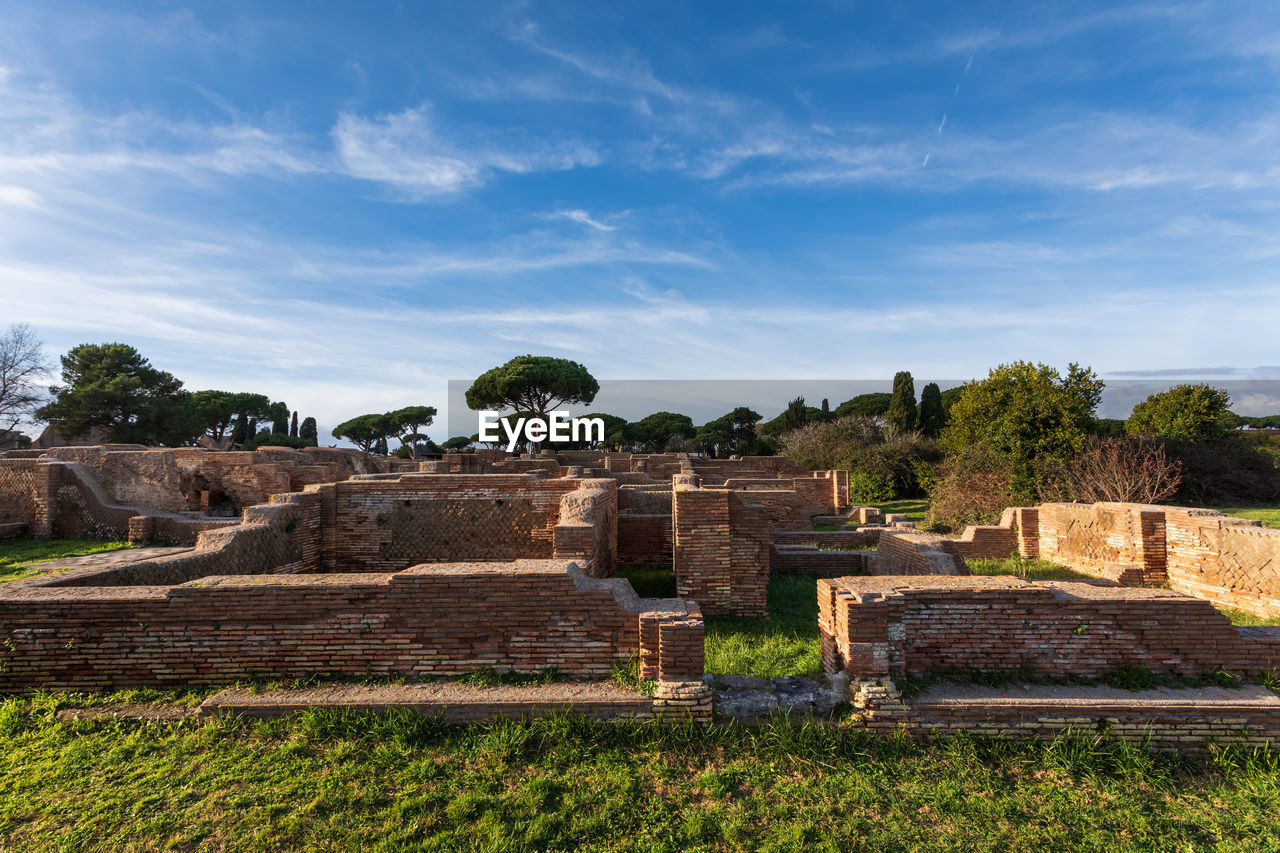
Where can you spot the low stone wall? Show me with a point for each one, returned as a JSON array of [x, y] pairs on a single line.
[[387, 523], [911, 552], [1232, 562], [815, 562], [884, 626], [427, 620]]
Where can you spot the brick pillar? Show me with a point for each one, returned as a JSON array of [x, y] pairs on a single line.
[[48, 476]]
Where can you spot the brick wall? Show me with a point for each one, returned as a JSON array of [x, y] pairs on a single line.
[[387, 523], [1229, 561], [443, 619], [645, 539], [874, 626], [911, 552], [1111, 540], [721, 550], [189, 478]]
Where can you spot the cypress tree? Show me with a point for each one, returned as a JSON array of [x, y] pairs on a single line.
[[293, 426], [309, 430], [932, 415], [902, 405]]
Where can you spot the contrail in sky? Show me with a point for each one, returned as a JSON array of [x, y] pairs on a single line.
[[955, 92]]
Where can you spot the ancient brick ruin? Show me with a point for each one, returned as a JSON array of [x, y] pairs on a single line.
[[329, 562]]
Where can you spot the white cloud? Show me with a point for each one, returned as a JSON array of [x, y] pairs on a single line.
[[409, 152], [583, 217]]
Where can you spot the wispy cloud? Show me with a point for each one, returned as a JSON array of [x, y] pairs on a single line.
[[582, 217], [409, 152]]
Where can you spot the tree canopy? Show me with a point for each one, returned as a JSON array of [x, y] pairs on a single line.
[[871, 405], [902, 403], [1193, 413], [407, 424], [1025, 410], [533, 383], [932, 415], [112, 387], [656, 431], [364, 431]]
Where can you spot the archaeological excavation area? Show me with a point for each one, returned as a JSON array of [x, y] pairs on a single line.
[[283, 564]]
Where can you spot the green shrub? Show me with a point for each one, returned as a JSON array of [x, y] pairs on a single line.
[[276, 439], [974, 486], [868, 488]]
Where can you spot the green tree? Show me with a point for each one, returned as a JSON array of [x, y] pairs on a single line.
[[1193, 413], [364, 431], [932, 415], [112, 387], [902, 404], [731, 432], [615, 428], [1025, 411], [216, 410], [533, 383], [380, 446], [309, 430], [536, 384], [279, 415], [870, 405], [407, 424], [293, 425], [657, 431], [458, 442]]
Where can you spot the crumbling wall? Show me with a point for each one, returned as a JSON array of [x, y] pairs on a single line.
[[390, 522], [212, 482], [1112, 540], [912, 552], [444, 619], [21, 508], [1231, 562], [884, 626]]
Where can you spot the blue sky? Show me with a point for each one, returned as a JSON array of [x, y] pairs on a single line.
[[345, 205]]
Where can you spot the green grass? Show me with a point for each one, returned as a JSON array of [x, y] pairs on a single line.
[[327, 781], [20, 558], [784, 644], [651, 580], [1268, 515], [1028, 569], [915, 509], [1239, 617]]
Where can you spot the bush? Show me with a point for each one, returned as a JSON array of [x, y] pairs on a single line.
[[831, 444], [868, 488], [1137, 470], [1226, 472], [974, 486], [882, 462], [276, 439]]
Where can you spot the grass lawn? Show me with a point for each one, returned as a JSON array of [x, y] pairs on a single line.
[[915, 509], [784, 644], [321, 780], [20, 558], [1029, 569], [1268, 515]]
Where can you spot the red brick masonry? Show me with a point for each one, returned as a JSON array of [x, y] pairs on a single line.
[[442, 619], [883, 626]]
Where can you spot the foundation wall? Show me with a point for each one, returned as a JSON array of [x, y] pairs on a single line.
[[889, 626], [427, 620]]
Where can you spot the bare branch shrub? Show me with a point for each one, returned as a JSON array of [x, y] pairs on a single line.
[[1127, 470], [22, 368]]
